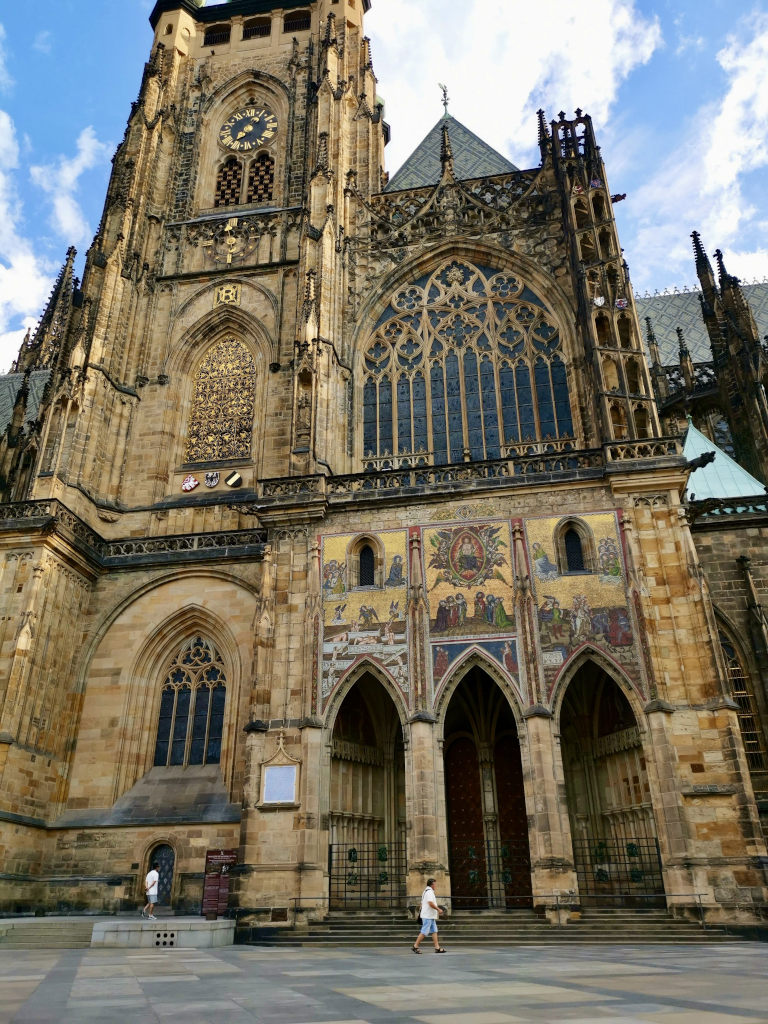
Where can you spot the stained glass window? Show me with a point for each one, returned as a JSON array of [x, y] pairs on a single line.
[[222, 409], [464, 363], [191, 718]]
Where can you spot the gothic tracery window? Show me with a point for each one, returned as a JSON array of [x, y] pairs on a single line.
[[221, 424], [191, 719], [749, 716], [463, 363]]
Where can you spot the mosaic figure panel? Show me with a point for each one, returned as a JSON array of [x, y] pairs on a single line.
[[364, 621], [469, 580], [502, 651], [587, 606]]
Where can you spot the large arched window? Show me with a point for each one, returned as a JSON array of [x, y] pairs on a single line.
[[462, 363], [191, 719], [221, 423], [742, 692]]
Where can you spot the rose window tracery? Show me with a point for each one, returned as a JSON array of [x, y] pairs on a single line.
[[221, 424], [462, 364]]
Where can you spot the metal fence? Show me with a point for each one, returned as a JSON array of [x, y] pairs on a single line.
[[618, 867], [367, 875]]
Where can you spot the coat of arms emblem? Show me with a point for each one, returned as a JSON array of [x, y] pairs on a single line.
[[190, 483], [211, 479]]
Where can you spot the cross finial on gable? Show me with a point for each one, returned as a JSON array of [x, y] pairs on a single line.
[[446, 100]]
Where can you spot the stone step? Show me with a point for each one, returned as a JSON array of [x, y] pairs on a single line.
[[42, 934], [492, 927]]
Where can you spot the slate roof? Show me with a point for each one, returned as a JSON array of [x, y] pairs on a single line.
[[472, 158], [722, 478], [9, 388], [670, 310]]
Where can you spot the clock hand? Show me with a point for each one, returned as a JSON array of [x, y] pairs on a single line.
[[248, 128]]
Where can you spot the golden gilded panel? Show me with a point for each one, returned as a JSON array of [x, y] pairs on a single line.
[[221, 424]]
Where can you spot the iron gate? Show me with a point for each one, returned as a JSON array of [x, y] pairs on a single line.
[[618, 867], [367, 875], [491, 874]]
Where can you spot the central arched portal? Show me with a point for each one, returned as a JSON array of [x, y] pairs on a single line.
[[490, 860], [367, 863], [613, 829]]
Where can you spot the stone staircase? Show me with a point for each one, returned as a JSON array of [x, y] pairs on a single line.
[[46, 932], [489, 928]]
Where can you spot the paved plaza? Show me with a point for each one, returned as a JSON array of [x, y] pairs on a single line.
[[663, 984]]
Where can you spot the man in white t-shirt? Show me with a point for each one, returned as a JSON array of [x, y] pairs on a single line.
[[150, 890], [429, 912]]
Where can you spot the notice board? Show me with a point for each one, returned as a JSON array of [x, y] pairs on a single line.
[[218, 864]]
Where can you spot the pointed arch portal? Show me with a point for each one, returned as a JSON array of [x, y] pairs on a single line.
[[367, 861], [615, 846], [489, 854]]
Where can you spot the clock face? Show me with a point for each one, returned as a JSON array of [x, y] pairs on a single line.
[[247, 129]]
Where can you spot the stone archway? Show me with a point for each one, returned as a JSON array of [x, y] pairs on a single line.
[[488, 849], [367, 800], [613, 829]]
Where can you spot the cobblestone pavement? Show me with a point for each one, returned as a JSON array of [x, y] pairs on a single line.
[[663, 984]]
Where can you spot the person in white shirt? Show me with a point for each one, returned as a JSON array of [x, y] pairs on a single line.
[[429, 912], [150, 890]]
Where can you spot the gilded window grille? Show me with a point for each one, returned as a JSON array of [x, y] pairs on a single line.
[[749, 716], [261, 179], [221, 424], [191, 719], [229, 182], [463, 363]]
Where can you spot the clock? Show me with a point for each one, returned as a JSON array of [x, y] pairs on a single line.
[[248, 129]]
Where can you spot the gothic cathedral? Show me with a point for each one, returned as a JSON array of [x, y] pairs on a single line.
[[346, 524]]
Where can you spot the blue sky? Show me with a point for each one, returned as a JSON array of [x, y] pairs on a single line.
[[678, 92]]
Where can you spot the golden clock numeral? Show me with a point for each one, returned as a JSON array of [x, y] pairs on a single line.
[[227, 140], [267, 135]]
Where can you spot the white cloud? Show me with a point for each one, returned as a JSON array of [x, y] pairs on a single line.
[[5, 77], [701, 185], [43, 42], [24, 278], [496, 78], [60, 181]]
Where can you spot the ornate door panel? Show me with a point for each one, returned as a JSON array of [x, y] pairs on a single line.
[[469, 880], [514, 853]]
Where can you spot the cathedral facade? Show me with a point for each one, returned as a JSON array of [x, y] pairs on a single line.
[[345, 520]]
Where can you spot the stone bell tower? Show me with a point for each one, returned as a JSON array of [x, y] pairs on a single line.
[[226, 204]]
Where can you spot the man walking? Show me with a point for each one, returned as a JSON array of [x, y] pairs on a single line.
[[429, 915], [150, 891]]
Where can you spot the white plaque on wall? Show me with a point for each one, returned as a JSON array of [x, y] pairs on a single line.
[[280, 783]]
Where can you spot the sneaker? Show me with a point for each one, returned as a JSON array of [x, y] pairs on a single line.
[[152, 917], [143, 915]]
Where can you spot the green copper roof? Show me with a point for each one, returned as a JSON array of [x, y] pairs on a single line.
[[722, 478], [669, 310], [472, 158]]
